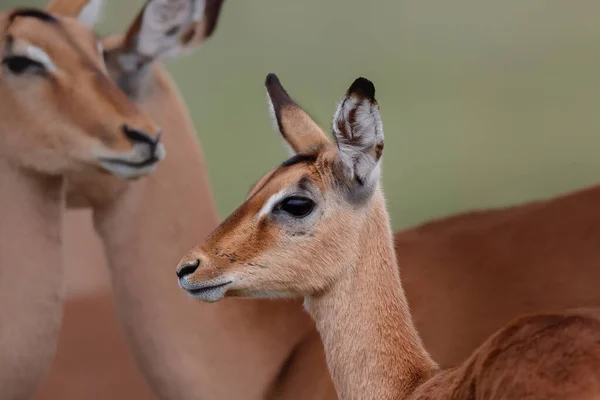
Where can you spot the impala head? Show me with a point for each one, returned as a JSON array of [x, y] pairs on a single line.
[[299, 227], [60, 111]]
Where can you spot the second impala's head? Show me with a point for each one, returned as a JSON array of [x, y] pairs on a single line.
[[299, 228], [60, 112]]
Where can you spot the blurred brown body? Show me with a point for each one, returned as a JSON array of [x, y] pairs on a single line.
[[466, 276]]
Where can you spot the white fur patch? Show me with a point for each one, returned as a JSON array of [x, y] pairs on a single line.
[[162, 16], [366, 132], [274, 199], [272, 113], [39, 55], [199, 6], [129, 62], [91, 13], [100, 48]]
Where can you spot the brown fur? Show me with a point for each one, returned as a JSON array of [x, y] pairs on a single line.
[[48, 131], [468, 275], [544, 356], [346, 269], [67, 7]]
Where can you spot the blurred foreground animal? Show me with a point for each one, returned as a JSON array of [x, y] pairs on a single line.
[[317, 227], [49, 131]]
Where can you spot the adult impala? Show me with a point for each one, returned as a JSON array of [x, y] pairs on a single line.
[[317, 227], [60, 114]]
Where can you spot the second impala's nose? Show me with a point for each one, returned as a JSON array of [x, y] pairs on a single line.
[[137, 136], [187, 269]]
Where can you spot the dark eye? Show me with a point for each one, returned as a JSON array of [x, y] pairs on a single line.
[[297, 206], [19, 64]]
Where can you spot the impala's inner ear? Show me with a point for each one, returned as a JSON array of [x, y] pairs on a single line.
[[358, 133], [168, 28], [298, 129], [88, 12], [199, 32]]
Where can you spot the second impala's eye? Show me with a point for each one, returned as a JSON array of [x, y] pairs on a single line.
[[19, 64], [297, 206]]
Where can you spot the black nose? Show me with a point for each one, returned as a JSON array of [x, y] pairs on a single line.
[[188, 269], [141, 137]]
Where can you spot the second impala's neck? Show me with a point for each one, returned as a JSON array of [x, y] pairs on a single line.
[[30, 277], [373, 350]]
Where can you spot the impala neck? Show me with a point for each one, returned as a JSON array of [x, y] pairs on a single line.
[[30, 277], [372, 347]]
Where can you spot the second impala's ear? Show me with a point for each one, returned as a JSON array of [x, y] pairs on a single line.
[[298, 129], [88, 12], [169, 28], [358, 133]]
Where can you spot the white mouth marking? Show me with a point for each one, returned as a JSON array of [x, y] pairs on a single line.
[[139, 154], [211, 291]]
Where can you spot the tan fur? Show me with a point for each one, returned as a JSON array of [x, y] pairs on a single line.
[[135, 220], [49, 130], [71, 8], [341, 259], [88, 12]]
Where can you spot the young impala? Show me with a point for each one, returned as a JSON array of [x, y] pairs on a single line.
[[317, 227], [60, 114]]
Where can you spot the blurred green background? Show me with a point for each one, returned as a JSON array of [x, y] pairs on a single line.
[[483, 103]]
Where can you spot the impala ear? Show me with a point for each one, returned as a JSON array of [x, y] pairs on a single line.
[[298, 129], [358, 133], [168, 28], [88, 12]]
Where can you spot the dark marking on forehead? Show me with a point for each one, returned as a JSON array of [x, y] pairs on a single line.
[[300, 158], [33, 13], [304, 183], [297, 159]]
